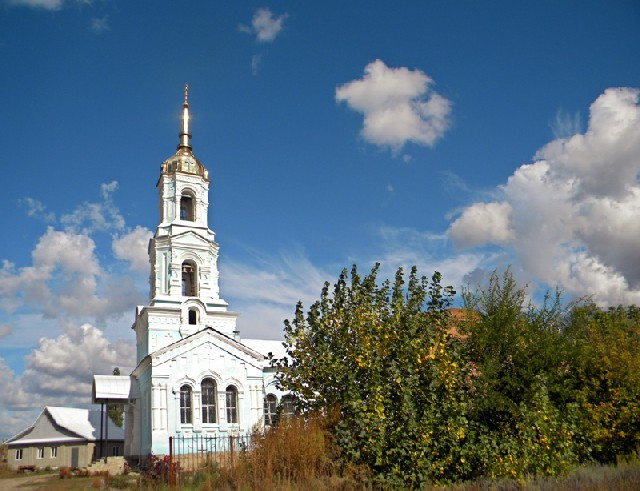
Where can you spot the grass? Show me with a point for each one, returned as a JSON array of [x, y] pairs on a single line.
[[300, 455], [621, 477]]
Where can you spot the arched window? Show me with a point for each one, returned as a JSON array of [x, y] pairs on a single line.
[[288, 406], [208, 401], [232, 404], [185, 404], [193, 316], [187, 211], [270, 410], [189, 276]]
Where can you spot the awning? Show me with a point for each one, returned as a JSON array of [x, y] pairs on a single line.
[[113, 388]]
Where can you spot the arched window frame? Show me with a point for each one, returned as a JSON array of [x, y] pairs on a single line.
[[287, 406], [270, 410], [192, 316], [231, 402], [209, 396], [189, 271], [186, 404], [188, 205]]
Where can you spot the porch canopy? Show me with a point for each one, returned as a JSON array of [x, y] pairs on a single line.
[[111, 388]]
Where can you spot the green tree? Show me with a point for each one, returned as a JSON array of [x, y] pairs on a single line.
[[512, 343], [606, 376], [380, 361], [521, 407], [116, 411]]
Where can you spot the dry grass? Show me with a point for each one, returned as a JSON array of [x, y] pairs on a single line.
[[5, 471], [298, 454]]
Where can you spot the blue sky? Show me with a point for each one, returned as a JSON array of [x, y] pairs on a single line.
[[458, 136]]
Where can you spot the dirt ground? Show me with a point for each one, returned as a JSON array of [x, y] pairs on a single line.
[[23, 482]]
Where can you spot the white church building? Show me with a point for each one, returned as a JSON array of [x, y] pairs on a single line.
[[195, 376]]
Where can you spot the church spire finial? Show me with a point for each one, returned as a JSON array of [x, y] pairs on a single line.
[[185, 145]]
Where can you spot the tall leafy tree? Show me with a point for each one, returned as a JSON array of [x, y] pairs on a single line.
[[379, 359], [520, 359], [606, 375], [522, 390]]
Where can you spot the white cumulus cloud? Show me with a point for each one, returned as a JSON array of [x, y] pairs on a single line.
[[571, 217], [482, 222], [398, 105], [65, 279], [132, 247], [59, 373]]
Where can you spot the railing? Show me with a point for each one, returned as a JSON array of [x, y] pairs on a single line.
[[188, 454]]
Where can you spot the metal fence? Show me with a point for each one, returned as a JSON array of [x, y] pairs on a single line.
[[188, 454]]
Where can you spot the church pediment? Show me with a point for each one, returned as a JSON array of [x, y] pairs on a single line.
[[207, 342], [189, 239]]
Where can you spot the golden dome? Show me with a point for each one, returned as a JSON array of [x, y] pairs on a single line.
[[184, 161]]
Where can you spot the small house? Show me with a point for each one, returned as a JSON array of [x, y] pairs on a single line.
[[64, 437]]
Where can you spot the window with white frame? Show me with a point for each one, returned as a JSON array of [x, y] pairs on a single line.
[[185, 404], [54, 452], [232, 404], [288, 406], [40, 454], [270, 410], [208, 395], [18, 454]]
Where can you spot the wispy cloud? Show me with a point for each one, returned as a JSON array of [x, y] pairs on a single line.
[[36, 209], [255, 63], [264, 25], [97, 216], [5, 329], [99, 24], [566, 125], [267, 288], [39, 4], [398, 106]]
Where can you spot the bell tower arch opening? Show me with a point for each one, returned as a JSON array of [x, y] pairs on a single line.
[[187, 206], [189, 279]]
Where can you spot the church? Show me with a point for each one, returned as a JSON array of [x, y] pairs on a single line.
[[195, 375]]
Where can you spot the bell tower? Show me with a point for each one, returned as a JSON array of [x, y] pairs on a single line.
[[184, 295]]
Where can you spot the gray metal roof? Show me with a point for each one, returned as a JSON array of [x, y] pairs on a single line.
[[69, 424], [111, 388]]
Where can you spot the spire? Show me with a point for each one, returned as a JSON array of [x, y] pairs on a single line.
[[185, 145]]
